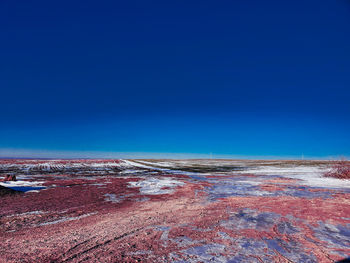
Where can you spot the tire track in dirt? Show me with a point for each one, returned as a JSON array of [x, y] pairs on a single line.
[[76, 255]]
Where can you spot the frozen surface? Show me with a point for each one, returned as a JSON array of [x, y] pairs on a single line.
[[155, 186], [311, 176], [174, 211]]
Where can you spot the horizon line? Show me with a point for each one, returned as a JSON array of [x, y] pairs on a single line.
[[14, 153]]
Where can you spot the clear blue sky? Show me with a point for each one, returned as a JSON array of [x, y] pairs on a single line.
[[242, 78]]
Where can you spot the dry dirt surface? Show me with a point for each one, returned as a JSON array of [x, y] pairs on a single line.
[[173, 211]]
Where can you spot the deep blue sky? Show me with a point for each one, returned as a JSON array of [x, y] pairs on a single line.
[[243, 77]]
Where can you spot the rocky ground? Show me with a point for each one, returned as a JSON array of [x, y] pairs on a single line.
[[173, 211]]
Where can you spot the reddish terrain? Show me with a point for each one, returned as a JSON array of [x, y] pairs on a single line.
[[127, 211], [340, 169]]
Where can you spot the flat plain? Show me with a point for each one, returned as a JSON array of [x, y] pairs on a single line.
[[173, 211]]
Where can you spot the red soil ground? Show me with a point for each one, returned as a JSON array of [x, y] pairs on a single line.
[[100, 218]]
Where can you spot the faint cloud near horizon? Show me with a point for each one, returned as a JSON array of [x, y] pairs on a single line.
[[59, 154], [51, 154]]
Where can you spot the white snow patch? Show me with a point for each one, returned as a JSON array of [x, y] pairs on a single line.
[[128, 163], [65, 219], [38, 212], [159, 164], [113, 198], [311, 176], [33, 191], [130, 171], [20, 183], [154, 186], [289, 171]]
